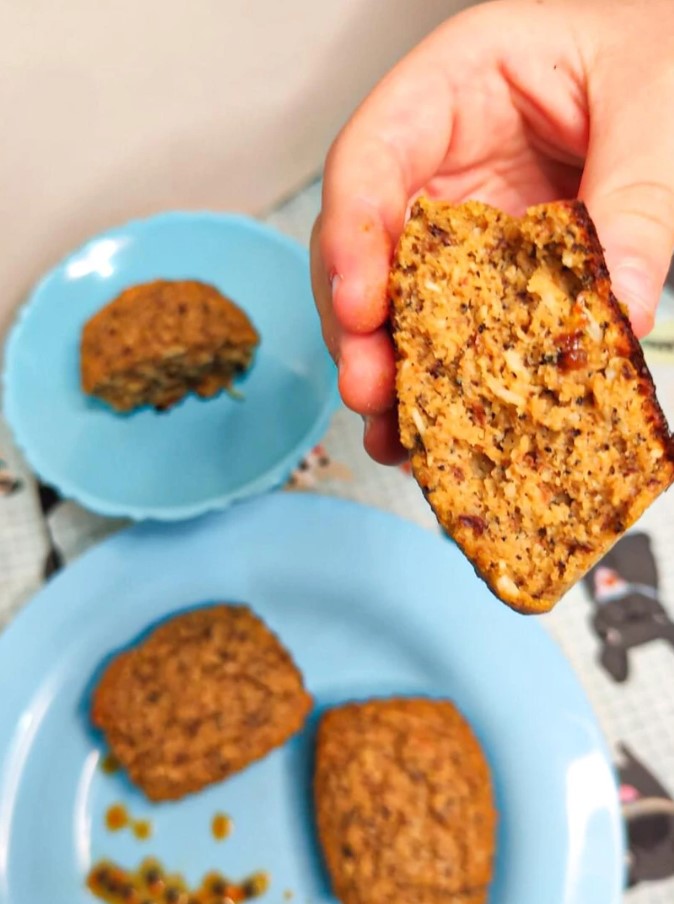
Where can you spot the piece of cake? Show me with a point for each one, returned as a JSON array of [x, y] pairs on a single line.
[[157, 342], [524, 400], [207, 693], [404, 804]]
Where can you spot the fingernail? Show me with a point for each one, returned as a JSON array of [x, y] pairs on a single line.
[[335, 280]]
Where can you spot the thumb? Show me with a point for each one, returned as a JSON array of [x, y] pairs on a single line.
[[628, 186], [635, 224]]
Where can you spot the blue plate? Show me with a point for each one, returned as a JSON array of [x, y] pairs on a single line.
[[369, 605], [201, 455]]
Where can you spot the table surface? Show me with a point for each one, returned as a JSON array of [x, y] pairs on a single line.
[[39, 532]]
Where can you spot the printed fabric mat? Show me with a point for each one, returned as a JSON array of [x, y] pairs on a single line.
[[616, 627]]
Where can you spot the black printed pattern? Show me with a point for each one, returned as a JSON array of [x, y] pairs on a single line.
[[648, 810], [627, 609], [49, 501]]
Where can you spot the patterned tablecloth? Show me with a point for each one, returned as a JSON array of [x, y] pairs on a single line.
[[617, 628]]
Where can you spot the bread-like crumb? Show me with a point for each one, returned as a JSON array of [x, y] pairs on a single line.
[[404, 804], [524, 399], [208, 692], [159, 341]]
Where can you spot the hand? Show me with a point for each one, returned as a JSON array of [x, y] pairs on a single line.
[[514, 103]]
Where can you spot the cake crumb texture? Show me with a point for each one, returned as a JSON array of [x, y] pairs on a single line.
[[404, 804], [524, 400], [208, 692], [159, 341]]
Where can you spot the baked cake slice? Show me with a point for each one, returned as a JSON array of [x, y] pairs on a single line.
[[205, 694], [404, 804], [524, 399], [159, 341]]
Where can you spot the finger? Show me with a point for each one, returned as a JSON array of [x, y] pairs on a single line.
[[367, 372], [415, 121], [320, 285], [391, 147], [381, 439], [628, 185], [358, 260], [367, 363]]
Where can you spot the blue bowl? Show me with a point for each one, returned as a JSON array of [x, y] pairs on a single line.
[[202, 455]]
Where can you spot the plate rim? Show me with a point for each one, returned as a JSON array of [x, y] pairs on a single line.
[[22, 623], [271, 479]]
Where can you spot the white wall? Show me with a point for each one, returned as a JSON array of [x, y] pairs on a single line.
[[113, 110]]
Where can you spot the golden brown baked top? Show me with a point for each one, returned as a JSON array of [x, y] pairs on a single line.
[[146, 321], [404, 803], [206, 693], [158, 341], [524, 399]]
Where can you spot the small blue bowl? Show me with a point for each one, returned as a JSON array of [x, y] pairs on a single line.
[[202, 455]]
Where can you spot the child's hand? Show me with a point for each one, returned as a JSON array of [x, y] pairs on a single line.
[[513, 103]]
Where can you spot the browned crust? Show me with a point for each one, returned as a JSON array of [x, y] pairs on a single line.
[[596, 272], [203, 696], [404, 805], [561, 226], [182, 333]]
